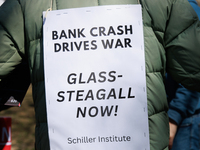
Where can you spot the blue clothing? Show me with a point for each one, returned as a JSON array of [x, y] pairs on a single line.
[[187, 136], [185, 111], [195, 7], [183, 103]]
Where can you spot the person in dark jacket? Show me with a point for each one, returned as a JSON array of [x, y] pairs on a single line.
[[184, 111]]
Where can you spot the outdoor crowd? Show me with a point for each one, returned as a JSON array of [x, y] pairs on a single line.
[[172, 53]]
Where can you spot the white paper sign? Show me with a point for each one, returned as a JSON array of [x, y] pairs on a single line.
[[95, 78]]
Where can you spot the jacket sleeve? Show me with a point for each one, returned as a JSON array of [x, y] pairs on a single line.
[[11, 37], [182, 43], [14, 70], [183, 103]]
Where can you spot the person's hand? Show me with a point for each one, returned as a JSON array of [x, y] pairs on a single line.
[[172, 128]]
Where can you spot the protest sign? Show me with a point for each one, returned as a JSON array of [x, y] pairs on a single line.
[[95, 78]]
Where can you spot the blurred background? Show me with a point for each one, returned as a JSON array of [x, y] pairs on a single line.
[[23, 123]]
